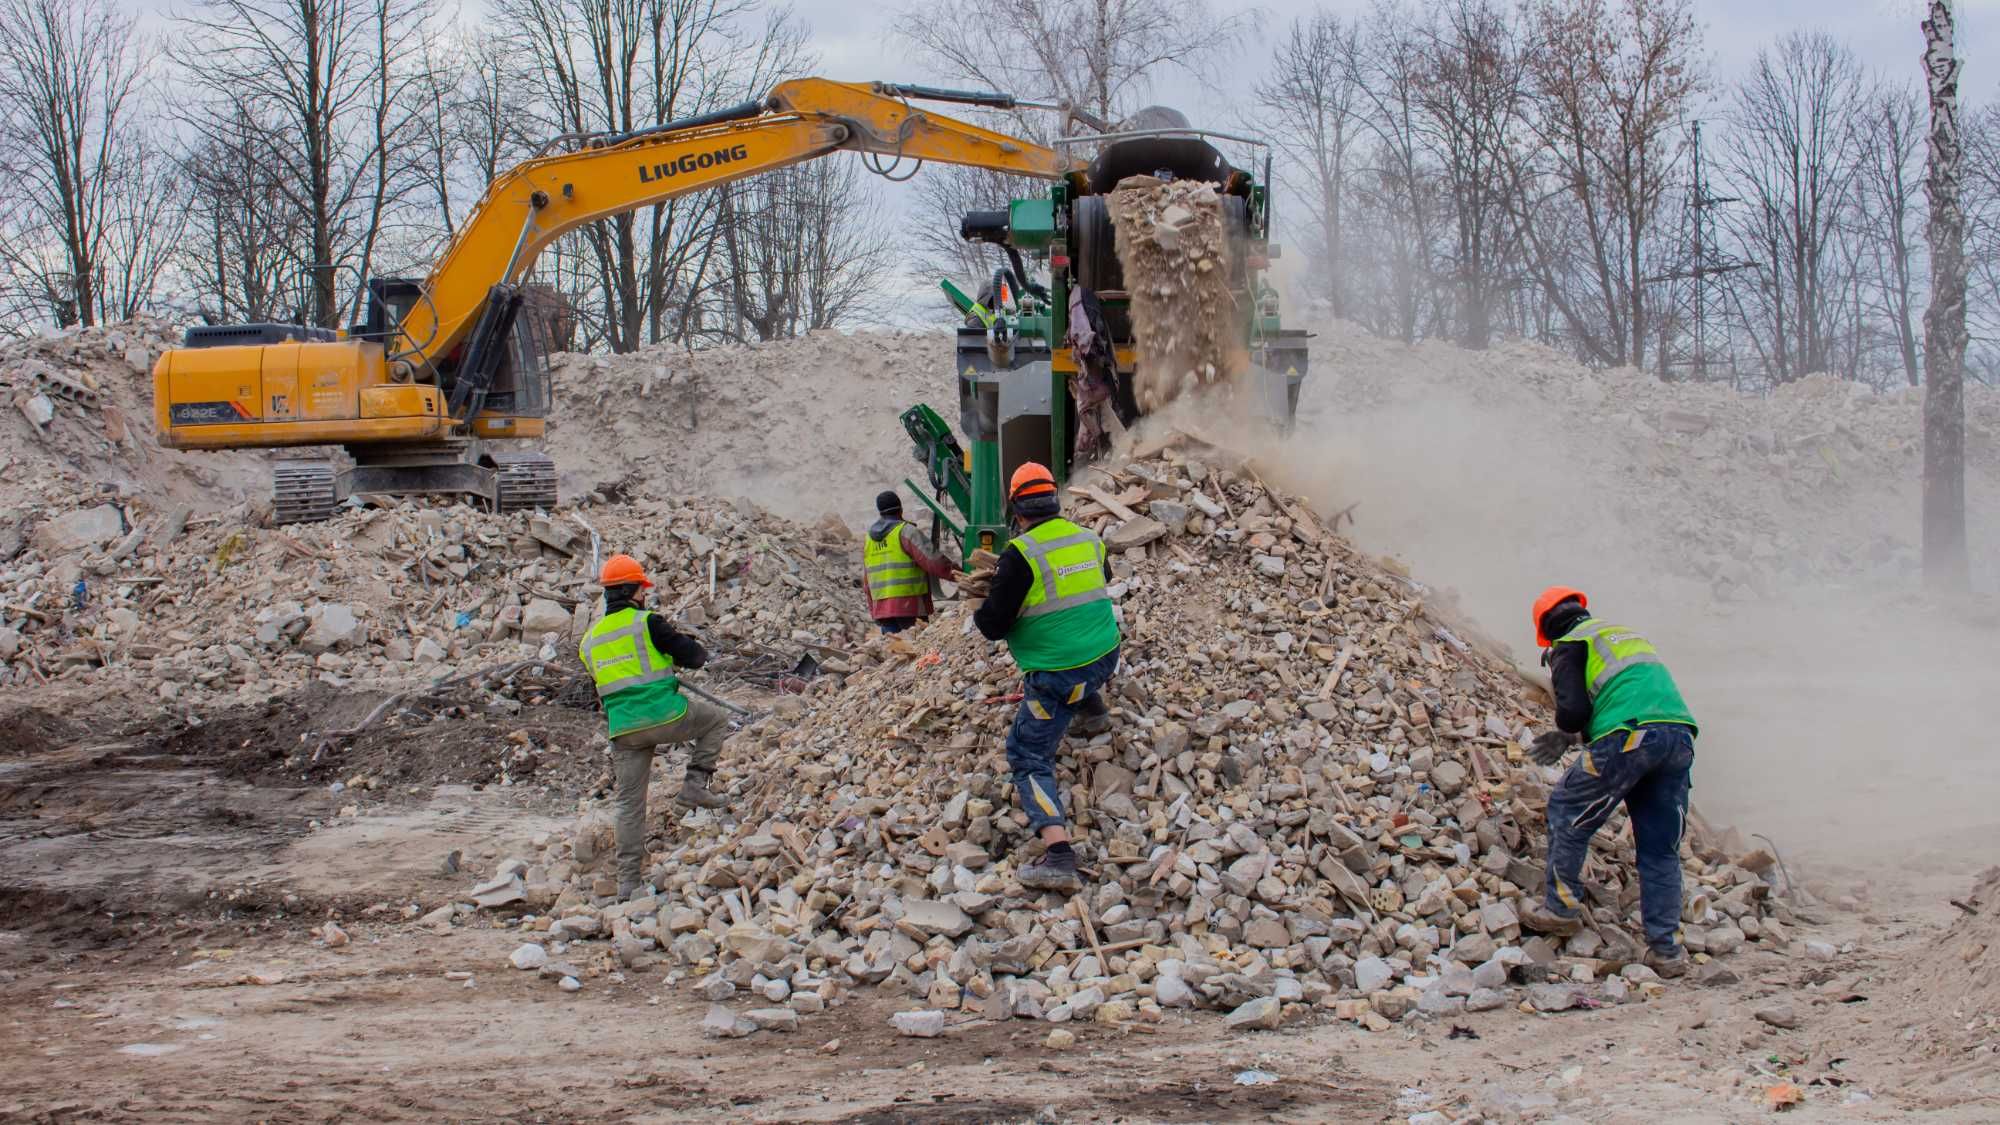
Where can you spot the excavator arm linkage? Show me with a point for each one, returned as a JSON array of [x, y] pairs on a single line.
[[536, 202]]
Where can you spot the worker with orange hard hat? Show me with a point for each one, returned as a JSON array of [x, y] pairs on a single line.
[[1050, 601], [1613, 693], [632, 654]]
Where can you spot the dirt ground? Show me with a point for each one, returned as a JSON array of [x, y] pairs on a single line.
[[160, 964]]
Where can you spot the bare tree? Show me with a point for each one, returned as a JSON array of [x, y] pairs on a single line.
[[615, 66], [1309, 106], [1945, 562], [1613, 82], [69, 77], [1099, 56], [1472, 99], [243, 253], [1886, 195], [1794, 135], [803, 249], [330, 87]]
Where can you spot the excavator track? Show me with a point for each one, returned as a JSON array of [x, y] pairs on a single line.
[[526, 481], [303, 492]]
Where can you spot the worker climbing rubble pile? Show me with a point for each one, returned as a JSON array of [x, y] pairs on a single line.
[[100, 594], [1313, 793], [1176, 259], [1748, 495], [80, 405], [796, 425]]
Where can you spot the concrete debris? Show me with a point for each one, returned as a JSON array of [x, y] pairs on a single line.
[[388, 597], [919, 1025], [1261, 1014], [1178, 261], [529, 956], [1780, 1016], [1295, 820]]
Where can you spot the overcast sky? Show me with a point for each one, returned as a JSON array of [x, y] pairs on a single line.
[[856, 41]]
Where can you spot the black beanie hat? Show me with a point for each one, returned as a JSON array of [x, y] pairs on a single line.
[[888, 504]]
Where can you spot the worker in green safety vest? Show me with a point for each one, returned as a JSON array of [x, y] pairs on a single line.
[[632, 655], [899, 568], [1050, 601], [1614, 693]]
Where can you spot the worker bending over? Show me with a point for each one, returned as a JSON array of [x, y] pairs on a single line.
[[631, 654], [900, 566], [1612, 689], [1050, 602]]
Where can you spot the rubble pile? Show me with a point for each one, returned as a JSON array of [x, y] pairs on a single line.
[[79, 413], [1174, 248], [1815, 482], [1315, 795], [113, 593], [1951, 989], [802, 427]]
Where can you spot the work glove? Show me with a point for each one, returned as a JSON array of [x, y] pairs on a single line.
[[1549, 747]]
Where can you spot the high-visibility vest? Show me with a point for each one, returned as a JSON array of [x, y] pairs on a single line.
[[1628, 684], [892, 573], [1066, 621], [635, 680]]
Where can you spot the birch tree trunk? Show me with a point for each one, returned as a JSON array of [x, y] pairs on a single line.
[[1945, 568]]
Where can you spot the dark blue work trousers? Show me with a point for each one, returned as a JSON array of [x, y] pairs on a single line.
[[1650, 771], [1048, 701]]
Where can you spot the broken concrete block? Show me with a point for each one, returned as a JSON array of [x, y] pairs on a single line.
[[927, 1024], [75, 531]]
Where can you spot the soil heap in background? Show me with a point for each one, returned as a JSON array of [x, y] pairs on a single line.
[[802, 427], [78, 415], [1748, 495], [1314, 793], [1173, 247]]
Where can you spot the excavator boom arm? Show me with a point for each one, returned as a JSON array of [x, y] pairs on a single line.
[[537, 201]]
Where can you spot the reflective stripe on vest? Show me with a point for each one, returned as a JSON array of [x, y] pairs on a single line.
[[1069, 567], [620, 654], [892, 573], [1613, 648]]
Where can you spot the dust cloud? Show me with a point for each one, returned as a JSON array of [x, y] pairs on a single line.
[[1842, 720]]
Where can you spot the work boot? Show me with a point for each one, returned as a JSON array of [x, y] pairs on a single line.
[[1538, 917], [1091, 723], [1052, 872], [1668, 965], [695, 793]]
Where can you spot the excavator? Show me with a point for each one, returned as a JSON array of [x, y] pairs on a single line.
[[442, 369]]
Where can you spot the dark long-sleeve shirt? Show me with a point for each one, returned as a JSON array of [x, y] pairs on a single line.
[[1012, 580], [1567, 664], [686, 651]]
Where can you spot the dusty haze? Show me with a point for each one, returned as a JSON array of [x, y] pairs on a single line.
[[1841, 717]]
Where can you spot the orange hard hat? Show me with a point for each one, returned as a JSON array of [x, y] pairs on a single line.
[[1549, 599], [622, 570], [1031, 479]]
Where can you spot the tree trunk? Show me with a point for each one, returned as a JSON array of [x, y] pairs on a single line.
[[1945, 564]]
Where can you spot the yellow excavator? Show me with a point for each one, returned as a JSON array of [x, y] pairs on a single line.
[[439, 368]]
